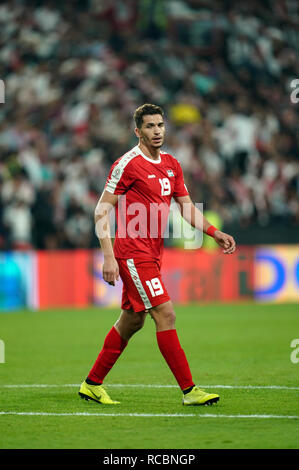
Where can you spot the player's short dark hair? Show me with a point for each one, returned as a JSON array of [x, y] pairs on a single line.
[[144, 110]]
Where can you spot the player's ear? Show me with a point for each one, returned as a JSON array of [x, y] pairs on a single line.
[[137, 132]]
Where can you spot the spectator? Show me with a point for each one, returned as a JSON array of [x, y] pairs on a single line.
[[17, 217]]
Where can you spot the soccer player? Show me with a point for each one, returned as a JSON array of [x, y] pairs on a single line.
[[144, 180]]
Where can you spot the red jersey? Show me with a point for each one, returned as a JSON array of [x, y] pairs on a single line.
[[147, 187]]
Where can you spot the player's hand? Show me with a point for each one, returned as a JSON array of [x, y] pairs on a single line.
[[110, 270], [225, 241]]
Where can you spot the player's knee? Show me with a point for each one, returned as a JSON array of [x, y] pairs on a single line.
[[169, 317], [129, 323], [164, 317], [137, 322]]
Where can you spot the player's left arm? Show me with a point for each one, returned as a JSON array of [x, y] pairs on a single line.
[[196, 218]]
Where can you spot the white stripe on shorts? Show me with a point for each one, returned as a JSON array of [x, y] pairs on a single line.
[[138, 283]]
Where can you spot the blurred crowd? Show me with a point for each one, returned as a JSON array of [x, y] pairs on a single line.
[[74, 72]]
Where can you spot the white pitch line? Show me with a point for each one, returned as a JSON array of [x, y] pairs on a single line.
[[245, 387], [148, 415]]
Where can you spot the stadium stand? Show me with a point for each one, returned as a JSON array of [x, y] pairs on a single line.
[[75, 71]]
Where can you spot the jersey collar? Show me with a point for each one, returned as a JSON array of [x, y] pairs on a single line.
[[138, 149]]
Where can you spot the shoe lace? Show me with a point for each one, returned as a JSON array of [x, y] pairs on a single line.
[[197, 389]]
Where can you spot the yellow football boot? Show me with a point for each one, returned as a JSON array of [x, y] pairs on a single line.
[[199, 397], [96, 393]]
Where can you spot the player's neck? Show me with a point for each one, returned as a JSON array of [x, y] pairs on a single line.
[[150, 152]]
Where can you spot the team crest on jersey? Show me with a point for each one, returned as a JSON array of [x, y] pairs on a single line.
[[170, 173]]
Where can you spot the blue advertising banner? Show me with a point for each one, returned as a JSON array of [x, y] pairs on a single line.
[[277, 273], [17, 280]]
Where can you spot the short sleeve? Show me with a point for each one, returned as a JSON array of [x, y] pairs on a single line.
[[180, 188], [119, 179]]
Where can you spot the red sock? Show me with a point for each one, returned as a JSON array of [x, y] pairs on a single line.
[[113, 346], [174, 355]]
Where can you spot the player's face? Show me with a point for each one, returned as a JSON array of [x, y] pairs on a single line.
[[152, 131]]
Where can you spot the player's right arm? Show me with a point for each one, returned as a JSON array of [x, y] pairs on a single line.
[[105, 204]]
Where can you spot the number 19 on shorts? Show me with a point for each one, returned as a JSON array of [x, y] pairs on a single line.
[[155, 286]]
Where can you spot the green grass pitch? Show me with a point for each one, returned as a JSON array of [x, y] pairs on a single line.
[[241, 351]]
